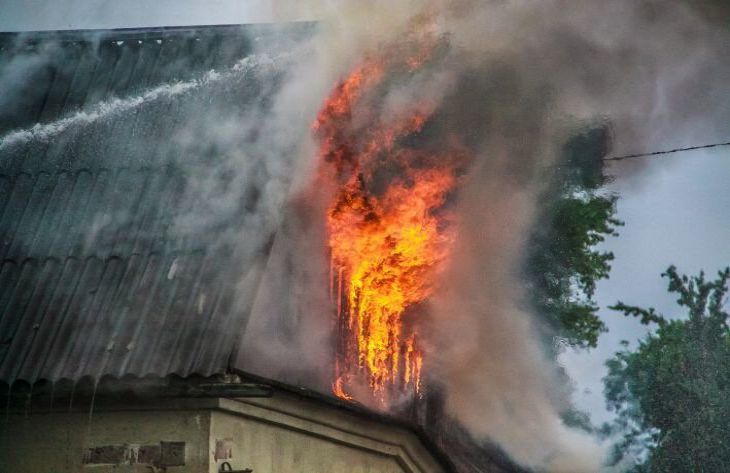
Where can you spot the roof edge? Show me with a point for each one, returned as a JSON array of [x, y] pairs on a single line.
[[140, 391], [148, 32], [359, 410]]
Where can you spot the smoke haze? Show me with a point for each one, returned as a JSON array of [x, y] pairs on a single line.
[[518, 77]]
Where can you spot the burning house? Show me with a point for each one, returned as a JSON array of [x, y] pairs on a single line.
[[139, 228]]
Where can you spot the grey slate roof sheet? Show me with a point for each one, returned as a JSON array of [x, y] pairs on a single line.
[[143, 314], [88, 211], [97, 274]]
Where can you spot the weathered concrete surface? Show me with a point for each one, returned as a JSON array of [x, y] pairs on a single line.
[[283, 434], [58, 442], [311, 436]]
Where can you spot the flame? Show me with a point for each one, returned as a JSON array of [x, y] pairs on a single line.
[[387, 247], [387, 226], [339, 390]]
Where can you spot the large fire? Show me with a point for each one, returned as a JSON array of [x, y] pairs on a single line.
[[387, 226]]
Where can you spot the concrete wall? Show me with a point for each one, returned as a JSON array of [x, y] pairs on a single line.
[[58, 442], [309, 436], [282, 434]]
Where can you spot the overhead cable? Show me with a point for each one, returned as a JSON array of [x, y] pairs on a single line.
[[669, 151]]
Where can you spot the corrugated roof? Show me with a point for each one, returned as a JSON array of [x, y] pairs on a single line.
[[89, 212], [103, 269], [133, 233], [150, 313]]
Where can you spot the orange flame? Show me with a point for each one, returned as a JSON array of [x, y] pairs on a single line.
[[339, 390], [387, 227]]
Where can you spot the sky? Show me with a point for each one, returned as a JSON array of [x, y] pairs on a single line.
[[29, 15], [675, 210]]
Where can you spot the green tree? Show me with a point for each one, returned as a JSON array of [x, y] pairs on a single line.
[[672, 394], [564, 265]]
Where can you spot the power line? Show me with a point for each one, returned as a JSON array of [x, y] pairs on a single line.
[[669, 151]]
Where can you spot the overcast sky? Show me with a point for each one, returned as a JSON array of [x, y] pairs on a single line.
[[24, 15], [676, 210]]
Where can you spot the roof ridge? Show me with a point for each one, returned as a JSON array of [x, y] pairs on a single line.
[[149, 31]]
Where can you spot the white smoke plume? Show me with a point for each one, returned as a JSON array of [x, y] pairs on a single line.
[[539, 68], [519, 74]]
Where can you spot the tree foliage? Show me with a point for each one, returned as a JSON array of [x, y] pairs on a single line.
[[672, 394], [564, 265]]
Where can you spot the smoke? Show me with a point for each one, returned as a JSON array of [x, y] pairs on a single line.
[[176, 157], [498, 382], [519, 76]]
